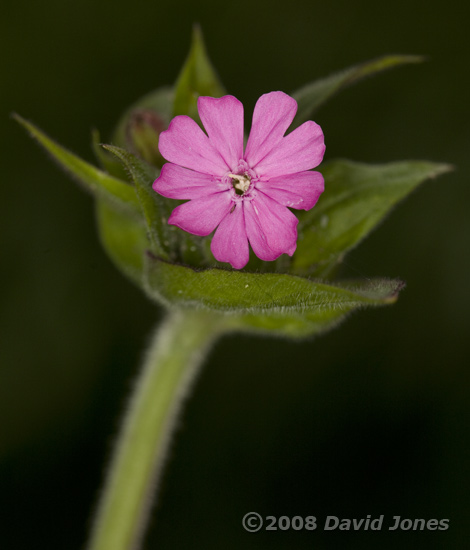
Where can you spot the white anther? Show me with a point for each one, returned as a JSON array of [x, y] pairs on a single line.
[[243, 182]]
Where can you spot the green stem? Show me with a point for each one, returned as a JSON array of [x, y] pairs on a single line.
[[177, 350]]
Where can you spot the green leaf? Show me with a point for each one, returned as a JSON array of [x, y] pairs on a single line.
[[312, 95], [356, 198], [124, 239], [167, 241], [99, 183], [268, 302], [197, 78], [108, 162], [155, 208]]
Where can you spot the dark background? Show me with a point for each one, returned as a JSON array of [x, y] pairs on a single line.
[[370, 419]]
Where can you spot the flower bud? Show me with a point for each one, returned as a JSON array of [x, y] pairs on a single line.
[[142, 133]]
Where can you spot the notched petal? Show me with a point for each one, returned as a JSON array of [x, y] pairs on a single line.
[[184, 143], [273, 114], [300, 150], [271, 228], [176, 182], [301, 190], [223, 121], [230, 243], [201, 216]]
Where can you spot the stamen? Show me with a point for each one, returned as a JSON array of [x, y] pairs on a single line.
[[240, 182]]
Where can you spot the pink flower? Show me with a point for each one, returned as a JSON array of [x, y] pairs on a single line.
[[244, 195]]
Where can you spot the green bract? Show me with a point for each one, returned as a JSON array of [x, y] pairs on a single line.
[[294, 296]]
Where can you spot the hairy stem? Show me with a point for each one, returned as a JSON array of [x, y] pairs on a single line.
[[177, 350]]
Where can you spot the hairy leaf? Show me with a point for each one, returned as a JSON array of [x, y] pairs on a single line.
[[107, 161], [99, 183], [154, 207], [268, 302], [167, 241]]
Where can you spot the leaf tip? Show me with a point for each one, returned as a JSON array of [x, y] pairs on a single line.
[[414, 58], [393, 295], [443, 169], [95, 136], [21, 121], [197, 39], [197, 31], [33, 131]]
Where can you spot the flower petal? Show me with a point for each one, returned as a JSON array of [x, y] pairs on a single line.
[[300, 150], [230, 243], [223, 120], [271, 228], [176, 182], [273, 114], [201, 216], [301, 190], [184, 143]]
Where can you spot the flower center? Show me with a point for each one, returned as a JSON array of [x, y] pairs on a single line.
[[240, 182]]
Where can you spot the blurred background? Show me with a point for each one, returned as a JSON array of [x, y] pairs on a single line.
[[370, 419]]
